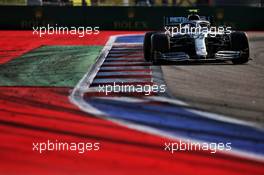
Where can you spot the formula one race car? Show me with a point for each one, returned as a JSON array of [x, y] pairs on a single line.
[[194, 39]]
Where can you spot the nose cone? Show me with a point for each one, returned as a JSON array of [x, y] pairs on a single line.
[[200, 47], [201, 52]]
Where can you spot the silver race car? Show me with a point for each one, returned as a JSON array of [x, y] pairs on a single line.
[[193, 38]]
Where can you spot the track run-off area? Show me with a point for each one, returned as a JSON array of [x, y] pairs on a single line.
[[131, 128]]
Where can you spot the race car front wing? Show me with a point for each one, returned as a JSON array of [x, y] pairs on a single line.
[[182, 56]]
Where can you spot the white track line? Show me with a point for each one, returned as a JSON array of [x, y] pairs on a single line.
[[121, 80], [125, 63], [122, 73], [127, 68]]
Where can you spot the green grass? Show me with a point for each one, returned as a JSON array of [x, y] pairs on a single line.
[[61, 66]]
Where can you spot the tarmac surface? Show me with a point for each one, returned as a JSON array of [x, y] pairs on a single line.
[[224, 88]]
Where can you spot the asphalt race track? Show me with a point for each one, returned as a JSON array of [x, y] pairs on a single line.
[[233, 90]]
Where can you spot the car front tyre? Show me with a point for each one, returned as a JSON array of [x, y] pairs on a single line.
[[159, 44], [147, 46], [239, 42]]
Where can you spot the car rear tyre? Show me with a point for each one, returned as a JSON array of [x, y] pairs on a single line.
[[147, 46], [159, 44], [239, 42]]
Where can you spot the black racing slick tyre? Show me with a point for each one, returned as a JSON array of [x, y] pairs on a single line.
[[147, 46], [159, 44], [239, 42]]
